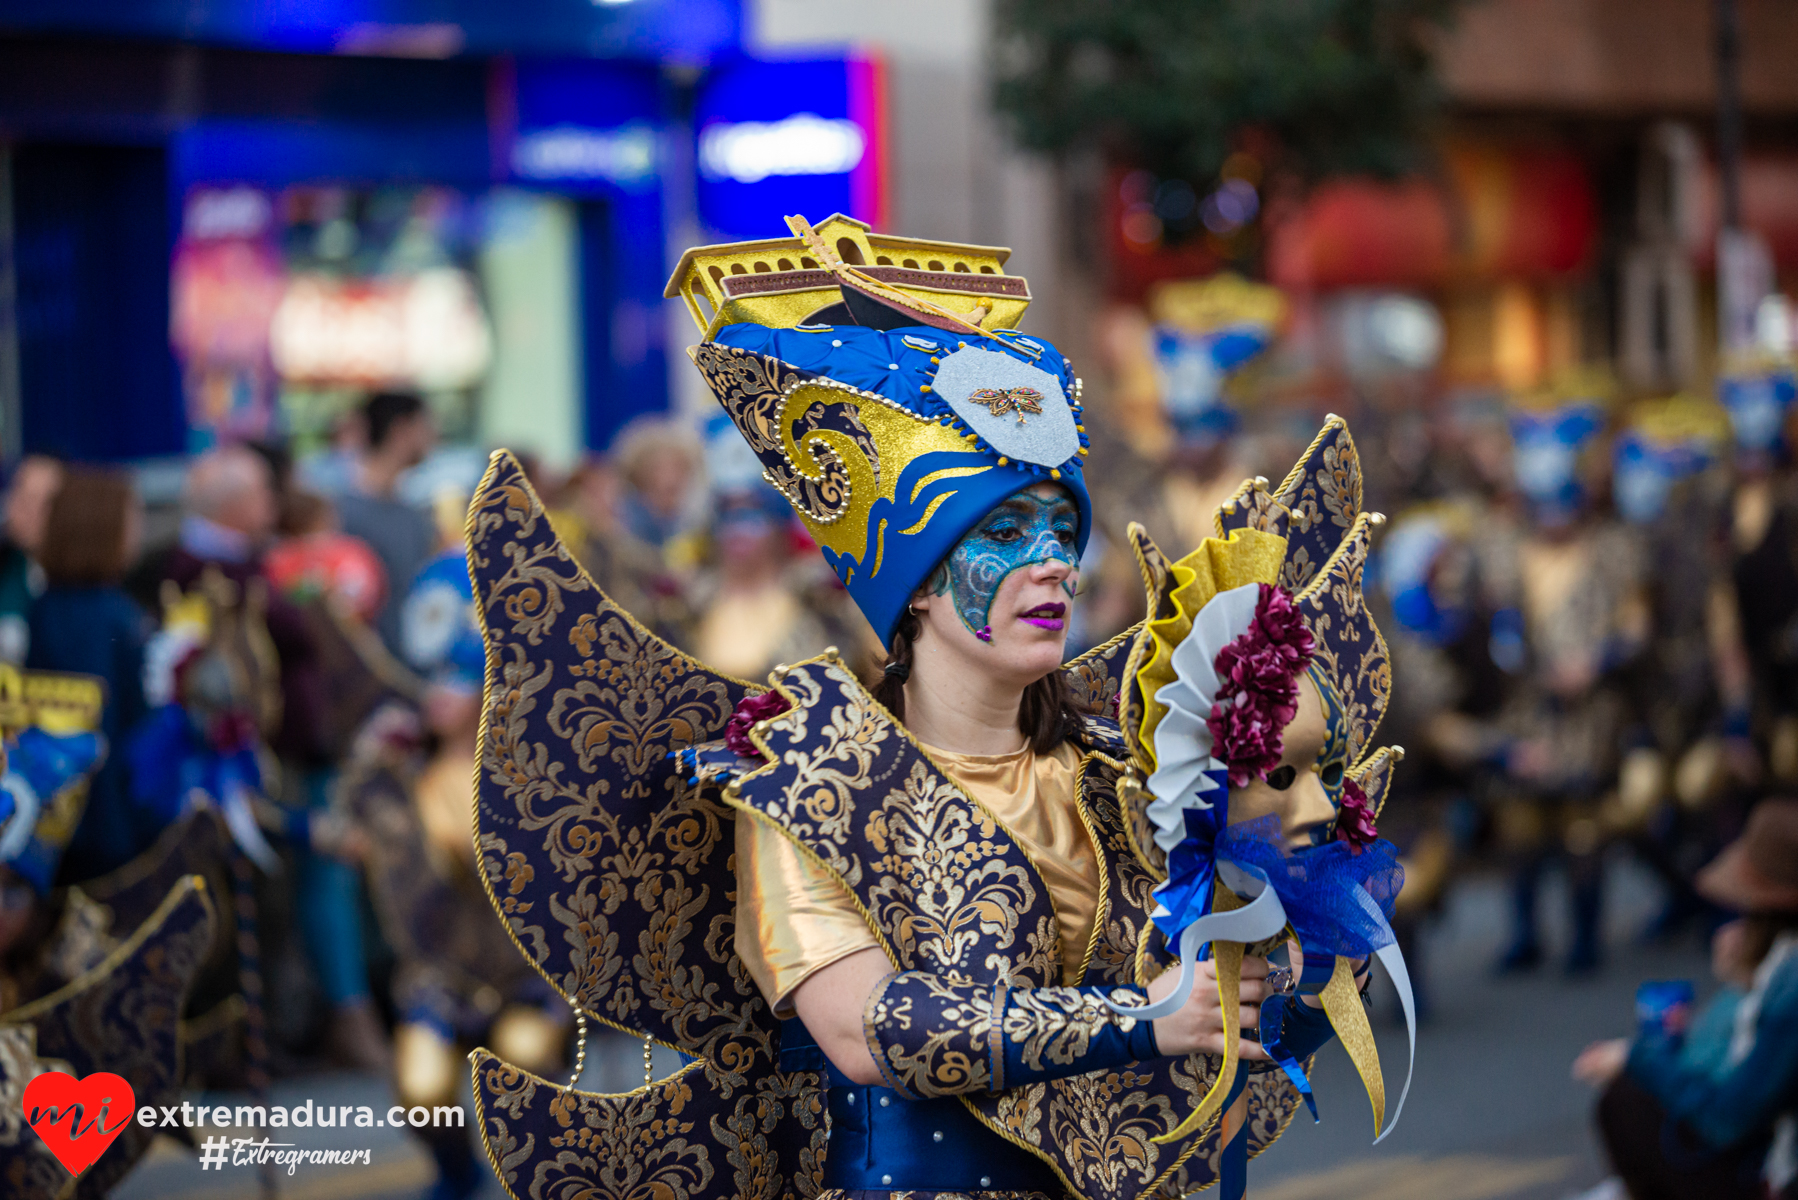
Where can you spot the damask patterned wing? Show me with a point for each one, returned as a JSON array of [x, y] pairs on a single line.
[[124, 1016], [1349, 647], [610, 871], [1096, 678], [1323, 494], [700, 1134], [1374, 775], [1252, 507]]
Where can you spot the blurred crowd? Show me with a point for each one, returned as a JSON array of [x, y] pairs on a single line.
[[1591, 608], [293, 680]]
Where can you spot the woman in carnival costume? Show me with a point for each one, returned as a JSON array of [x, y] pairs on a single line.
[[997, 926]]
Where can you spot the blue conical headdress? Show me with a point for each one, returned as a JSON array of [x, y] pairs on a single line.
[[882, 385]]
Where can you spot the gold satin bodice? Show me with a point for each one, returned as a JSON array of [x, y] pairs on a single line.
[[794, 918]]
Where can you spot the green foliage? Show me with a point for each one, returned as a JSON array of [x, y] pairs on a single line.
[[1331, 86]]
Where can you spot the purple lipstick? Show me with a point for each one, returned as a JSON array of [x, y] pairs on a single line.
[[1046, 616]]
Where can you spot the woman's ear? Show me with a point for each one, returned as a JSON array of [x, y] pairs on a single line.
[[936, 585]]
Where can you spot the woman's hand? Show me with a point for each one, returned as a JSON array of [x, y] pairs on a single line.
[[1601, 1062], [1198, 1028]]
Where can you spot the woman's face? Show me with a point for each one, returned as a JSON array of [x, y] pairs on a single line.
[[1306, 788], [1002, 599]]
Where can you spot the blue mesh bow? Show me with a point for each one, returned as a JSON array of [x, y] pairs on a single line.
[[1338, 897]]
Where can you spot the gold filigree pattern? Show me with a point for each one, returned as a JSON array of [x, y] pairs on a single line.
[[1096, 678], [1055, 1026], [840, 1194], [1252, 507], [941, 882], [697, 1134], [932, 1036], [1349, 648], [752, 389], [124, 1016], [612, 876], [1323, 495], [845, 782], [609, 870]]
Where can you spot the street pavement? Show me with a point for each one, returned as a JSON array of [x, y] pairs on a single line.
[[1493, 1113]]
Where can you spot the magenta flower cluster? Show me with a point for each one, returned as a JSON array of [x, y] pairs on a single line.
[[1258, 692], [1354, 821], [749, 710]]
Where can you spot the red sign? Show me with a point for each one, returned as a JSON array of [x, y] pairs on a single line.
[[72, 1115]]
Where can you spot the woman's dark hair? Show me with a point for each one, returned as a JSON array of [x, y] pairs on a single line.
[[85, 535], [1047, 716]]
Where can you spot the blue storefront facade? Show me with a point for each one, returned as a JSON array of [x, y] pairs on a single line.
[[223, 219]]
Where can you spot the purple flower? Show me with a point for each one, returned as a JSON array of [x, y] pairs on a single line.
[[1354, 824], [1258, 692], [749, 711]]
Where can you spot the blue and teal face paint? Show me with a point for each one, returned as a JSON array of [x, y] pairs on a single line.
[[1027, 529]]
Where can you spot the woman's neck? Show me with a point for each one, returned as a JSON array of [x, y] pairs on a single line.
[[961, 711]]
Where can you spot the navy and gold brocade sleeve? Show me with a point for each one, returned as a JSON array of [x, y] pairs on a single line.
[[932, 1036]]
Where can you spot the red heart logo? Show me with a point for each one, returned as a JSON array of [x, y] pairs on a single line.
[[78, 1118]]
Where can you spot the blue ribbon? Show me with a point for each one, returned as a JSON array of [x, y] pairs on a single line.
[[1339, 897], [1273, 1020], [1326, 890], [1192, 864]]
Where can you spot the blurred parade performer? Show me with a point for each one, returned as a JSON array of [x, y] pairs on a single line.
[[84, 623], [1447, 695], [1579, 590], [663, 471], [756, 607], [590, 522], [1669, 482], [457, 981], [400, 432], [1759, 675], [229, 511], [1171, 384], [967, 910], [231, 507], [34, 481], [80, 992]]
